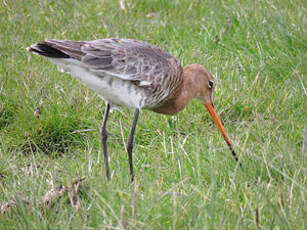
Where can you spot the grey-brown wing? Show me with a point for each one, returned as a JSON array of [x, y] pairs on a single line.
[[123, 58], [127, 59]]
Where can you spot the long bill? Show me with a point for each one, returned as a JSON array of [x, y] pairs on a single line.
[[210, 108]]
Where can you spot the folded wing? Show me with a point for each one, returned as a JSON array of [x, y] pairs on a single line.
[[126, 59]]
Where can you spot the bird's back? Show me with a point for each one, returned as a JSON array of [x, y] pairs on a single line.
[[124, 72]]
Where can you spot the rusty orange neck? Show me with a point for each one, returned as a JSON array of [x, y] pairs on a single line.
[[179, 99]]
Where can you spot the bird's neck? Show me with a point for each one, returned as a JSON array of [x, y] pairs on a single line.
[[184, 93]]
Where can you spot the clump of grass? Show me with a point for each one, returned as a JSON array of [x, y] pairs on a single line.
[[55, 135], [51, 132], [8, 109]]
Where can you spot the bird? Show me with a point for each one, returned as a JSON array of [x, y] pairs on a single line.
[[134, 74]]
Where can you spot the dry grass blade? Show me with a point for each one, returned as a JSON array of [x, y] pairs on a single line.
[[53, 194], [122, 5], [5, 207], [257, 217], [72, 192]]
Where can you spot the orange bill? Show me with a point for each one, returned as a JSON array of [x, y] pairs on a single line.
[[210, 108]]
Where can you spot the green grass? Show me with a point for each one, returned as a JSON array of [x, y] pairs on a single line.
[[186, 177]]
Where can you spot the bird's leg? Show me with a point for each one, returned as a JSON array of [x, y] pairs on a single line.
[[130, 141], [104, 137]]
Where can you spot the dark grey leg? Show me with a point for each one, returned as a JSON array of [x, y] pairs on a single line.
[[130, 141], [104, 137]]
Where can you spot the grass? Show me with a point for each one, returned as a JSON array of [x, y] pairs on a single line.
[[186, 177]]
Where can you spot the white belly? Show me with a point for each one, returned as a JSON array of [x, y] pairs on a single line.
[[111, 89]]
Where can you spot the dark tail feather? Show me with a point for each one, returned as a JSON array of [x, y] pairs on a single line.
[[47, 51]]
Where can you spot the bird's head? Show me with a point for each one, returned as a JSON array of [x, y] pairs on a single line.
[[200, 81]]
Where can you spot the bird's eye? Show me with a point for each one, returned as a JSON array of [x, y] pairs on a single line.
[[210, 84]]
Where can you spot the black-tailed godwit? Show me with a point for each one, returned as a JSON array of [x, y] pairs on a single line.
[[135, 74]]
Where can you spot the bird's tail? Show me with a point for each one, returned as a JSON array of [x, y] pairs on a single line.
[[46, 50]]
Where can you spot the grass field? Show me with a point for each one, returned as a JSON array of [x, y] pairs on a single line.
[[186, 177]]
